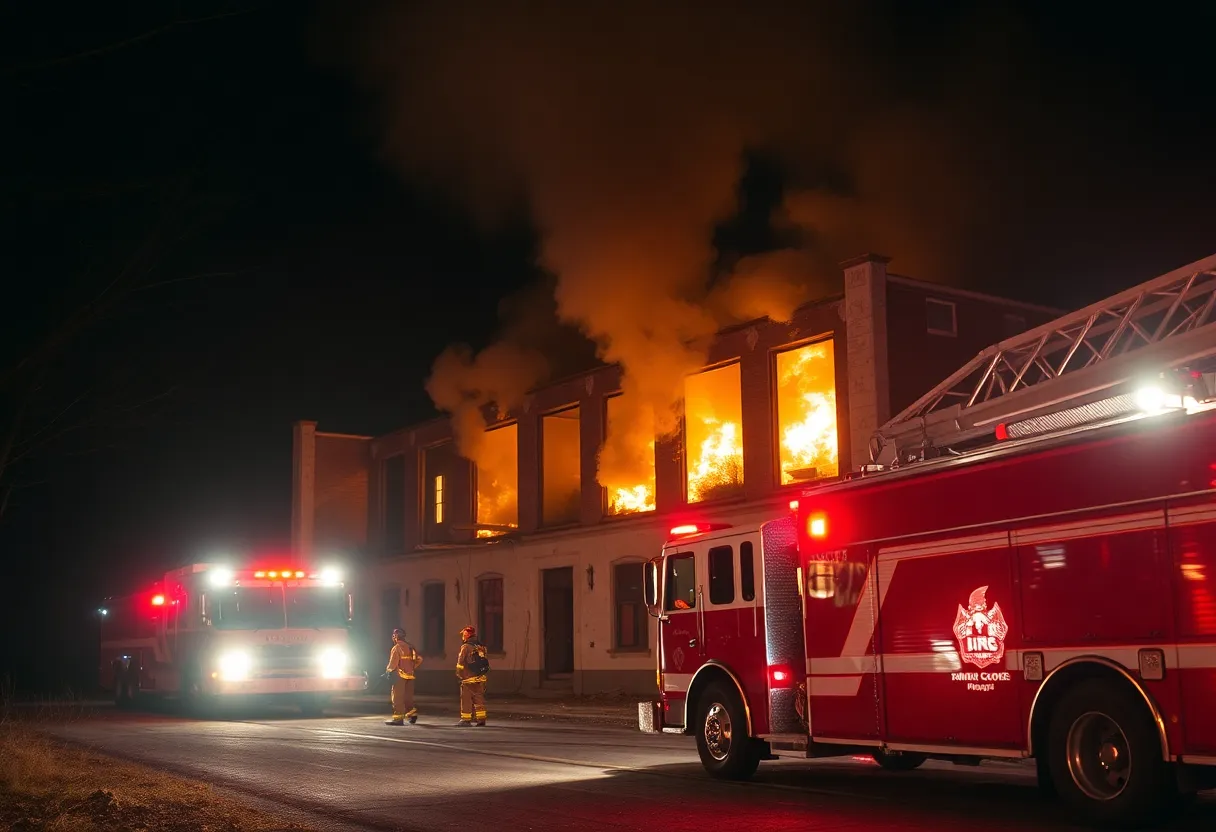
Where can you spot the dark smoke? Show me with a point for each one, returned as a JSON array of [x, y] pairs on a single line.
[[624, 126]]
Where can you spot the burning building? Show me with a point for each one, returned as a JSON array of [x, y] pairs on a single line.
[[540, 540]]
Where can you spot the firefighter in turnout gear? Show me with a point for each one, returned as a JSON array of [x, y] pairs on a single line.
[[471, 667], [403, 660]]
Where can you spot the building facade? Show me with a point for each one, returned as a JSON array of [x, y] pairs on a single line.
[[546, 561]]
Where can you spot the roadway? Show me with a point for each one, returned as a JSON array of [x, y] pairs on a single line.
[[349, 771]]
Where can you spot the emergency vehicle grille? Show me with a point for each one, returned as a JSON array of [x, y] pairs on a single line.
[[284, 660]]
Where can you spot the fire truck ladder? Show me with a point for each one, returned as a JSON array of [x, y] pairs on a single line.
[[1075, 370]]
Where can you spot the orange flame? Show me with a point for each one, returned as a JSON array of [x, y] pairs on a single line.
[[718, 467], [713, 408], [626, 461], [631, 500], [498, 480], [806, 412]]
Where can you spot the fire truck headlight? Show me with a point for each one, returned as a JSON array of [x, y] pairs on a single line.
[[221, 577], [235, 666], [333, 663]]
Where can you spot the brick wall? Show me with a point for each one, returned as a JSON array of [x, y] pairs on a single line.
[[884, 359], [340, 497], [919, 360]]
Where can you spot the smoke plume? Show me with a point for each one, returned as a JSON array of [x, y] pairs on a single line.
[[624, 127]]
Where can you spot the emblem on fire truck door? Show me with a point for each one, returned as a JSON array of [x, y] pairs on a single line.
[[980, 631]]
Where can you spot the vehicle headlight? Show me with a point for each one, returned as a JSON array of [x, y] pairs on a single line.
[[235, 666], [333, 663]]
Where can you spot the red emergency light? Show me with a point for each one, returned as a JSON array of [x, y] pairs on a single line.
[[687, 529], [275, 574], [793, 505], [158, 600], [817, 526], [780, 676]]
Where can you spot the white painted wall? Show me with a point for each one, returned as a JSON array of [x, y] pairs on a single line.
[[520, 565]]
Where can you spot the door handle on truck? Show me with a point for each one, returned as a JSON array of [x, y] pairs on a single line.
[[692, 642]]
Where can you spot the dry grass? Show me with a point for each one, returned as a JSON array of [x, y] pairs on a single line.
[[46, 785]]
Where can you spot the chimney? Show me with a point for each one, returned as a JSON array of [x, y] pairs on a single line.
[[303, 487], [865, 313]]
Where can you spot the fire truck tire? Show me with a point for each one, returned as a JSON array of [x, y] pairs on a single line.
[[907, 761], [195, 700], [726, 750], [1105, 758]]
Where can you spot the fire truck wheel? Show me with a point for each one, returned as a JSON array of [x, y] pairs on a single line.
[[1105, 757], [898, 762], [722, 741], [195, 700]]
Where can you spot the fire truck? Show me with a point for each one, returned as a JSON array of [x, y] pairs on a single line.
[[1025, 570], [208, 632]]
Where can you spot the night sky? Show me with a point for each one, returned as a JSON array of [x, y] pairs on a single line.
[[278, 251]]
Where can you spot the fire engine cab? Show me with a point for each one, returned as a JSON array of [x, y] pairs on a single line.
[[1026, 569], [209, 632]]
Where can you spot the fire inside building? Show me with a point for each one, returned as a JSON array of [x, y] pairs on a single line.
[[544, 559]]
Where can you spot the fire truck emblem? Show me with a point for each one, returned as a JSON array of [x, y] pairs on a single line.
[[980, 631]]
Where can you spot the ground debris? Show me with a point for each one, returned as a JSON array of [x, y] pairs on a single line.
[[47, 786]]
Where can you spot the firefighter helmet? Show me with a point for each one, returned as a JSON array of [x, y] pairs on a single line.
[[468, 633], [399, 633]]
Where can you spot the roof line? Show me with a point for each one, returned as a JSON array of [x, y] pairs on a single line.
[[901, 280]]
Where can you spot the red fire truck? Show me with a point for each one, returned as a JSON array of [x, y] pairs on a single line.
[[1025, 570], [209, 632]]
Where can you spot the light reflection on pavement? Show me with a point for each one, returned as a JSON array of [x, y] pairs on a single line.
[[346, 772]]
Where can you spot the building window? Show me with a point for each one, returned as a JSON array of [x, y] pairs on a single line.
[[940, 317], [1014, 325], [807, 433], [394, 505], [445, 480], [561, 468], [498, 481], [390, 608], [434, 622], [627, 466], [722, 575], [631, 630], [489, 613], [713, 434]]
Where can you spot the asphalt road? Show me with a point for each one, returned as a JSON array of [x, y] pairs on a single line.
[[354, 772]]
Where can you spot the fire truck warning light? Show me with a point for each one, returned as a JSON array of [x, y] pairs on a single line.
[[817, 526]]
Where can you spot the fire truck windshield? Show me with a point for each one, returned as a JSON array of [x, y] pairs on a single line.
[[276, 608]]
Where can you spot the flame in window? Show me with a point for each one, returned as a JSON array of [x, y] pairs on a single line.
[[806, 413]]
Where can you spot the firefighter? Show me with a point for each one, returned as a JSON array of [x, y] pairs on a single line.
[[471, 666], [403, 660]]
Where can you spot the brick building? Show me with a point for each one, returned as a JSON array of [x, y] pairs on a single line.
[[552, 574]]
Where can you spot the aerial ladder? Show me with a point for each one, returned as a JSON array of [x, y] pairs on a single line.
[[1092, 366]]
